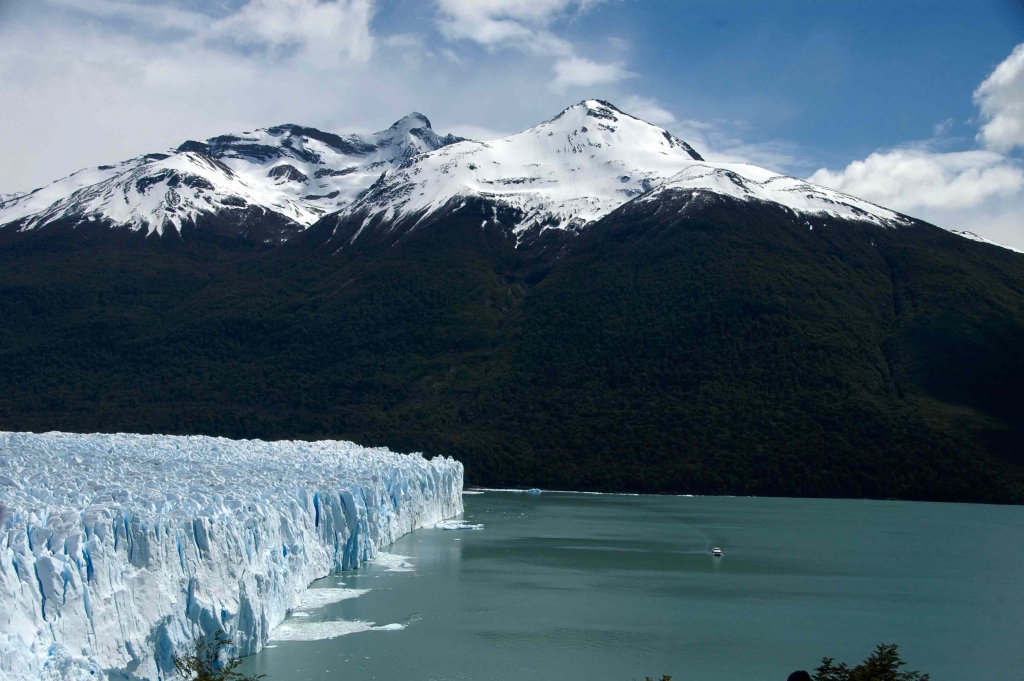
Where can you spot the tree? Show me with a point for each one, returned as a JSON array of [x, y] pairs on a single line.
[[204, 663], [829, 671], [882, 665]]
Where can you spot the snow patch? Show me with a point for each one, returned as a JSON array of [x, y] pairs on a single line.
[[971, 236], [750, 183]]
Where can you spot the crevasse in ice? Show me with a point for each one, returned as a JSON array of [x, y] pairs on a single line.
[[116, 551]]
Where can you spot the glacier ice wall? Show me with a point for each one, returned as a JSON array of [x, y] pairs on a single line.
[[116, 551]]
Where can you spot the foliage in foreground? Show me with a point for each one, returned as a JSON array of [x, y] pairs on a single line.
[[882, 665], [204, 663]]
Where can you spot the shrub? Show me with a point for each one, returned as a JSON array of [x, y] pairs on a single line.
[[204, 664], [882, 665]]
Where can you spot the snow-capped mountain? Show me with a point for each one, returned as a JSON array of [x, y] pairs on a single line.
[[971, 236], [565, 174], [297, 173], [578, 167]]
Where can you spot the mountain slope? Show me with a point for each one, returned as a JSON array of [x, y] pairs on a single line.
[[728, 349], [720, 333], [298, 174]]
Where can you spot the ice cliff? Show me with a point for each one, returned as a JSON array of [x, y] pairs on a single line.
[[116, 551]]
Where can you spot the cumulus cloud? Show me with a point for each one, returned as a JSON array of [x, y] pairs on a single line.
[[98, 81], [525, 25], [724, 141], [1001, 100], [912, 179], [648, 109], [325, 30], [278, 28], [577, 71], [508, 23], [979, 190]]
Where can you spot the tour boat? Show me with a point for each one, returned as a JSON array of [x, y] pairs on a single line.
[[716, 552]]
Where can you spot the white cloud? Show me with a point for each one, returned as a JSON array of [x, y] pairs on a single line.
[[942, 128], [577, 71], [723, 141], [525, 25], [1001, 100], [324, 30], [501, 22], [980, 190], [475, 132], [648, 109], [909, 180], [99, 81]]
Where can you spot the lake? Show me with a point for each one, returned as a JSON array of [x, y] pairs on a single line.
[[577, 586]]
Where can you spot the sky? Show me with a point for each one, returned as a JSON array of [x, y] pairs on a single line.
[[917, 105]]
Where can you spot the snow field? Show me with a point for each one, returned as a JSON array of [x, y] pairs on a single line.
[[580, 166], [160, 192], [116, 551]]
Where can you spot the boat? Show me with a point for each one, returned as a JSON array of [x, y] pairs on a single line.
[[716, 552]]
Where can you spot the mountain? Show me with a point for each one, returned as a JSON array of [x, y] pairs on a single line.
[[286, 176], [573, 170], [595, 309]]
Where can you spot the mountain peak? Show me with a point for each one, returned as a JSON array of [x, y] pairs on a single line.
[[580, 165], [600, 108], [564, 173], [602, 116], [411, 122], [298, 173]]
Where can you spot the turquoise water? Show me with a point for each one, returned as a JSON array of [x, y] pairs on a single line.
[[571, 586]]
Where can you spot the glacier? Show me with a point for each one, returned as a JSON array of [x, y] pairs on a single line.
[[119, 550]]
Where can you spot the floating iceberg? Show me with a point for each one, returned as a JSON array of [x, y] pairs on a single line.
[[116, 551], [458, 525]]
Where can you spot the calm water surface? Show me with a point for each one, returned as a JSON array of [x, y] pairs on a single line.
[[570, 586]]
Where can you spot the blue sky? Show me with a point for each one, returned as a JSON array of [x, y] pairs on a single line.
[[837, 79], [882, 99]]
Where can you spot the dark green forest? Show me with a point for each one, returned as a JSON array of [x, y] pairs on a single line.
[[719, 348]]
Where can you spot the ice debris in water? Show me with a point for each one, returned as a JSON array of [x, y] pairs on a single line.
[[116, 551], [318, 598], [393, 562], [319, 631], [458, 525]]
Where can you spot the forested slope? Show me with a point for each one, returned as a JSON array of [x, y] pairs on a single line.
[[714, 346]]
